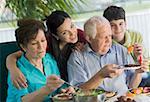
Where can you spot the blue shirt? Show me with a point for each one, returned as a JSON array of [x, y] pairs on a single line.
[[83, 65], [35, 78]]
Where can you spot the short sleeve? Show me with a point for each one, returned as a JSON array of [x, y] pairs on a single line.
[[76, 72]]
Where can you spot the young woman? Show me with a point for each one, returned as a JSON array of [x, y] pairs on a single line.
[[62, 37]]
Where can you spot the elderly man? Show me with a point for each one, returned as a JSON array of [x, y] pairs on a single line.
[[97, 65]]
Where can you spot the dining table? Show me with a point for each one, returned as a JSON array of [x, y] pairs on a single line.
[[136, 98]]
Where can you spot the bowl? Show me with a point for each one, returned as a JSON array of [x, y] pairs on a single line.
[[94, 95]]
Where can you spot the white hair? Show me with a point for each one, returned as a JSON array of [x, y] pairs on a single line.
[[91, 24]]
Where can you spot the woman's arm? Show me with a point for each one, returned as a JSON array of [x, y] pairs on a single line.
[[12, 59], [53, 82], [37, 96], [17, 77]]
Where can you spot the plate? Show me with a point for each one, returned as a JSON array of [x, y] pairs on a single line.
[[141, 90], [130, 66], [63, 97]]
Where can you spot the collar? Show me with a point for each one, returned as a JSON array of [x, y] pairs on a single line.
[[89, 50], [127, 39], [25, 62]]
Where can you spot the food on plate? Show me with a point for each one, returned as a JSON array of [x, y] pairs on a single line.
[[92, 95], [131, 65], [130, 94], [140, 90], [146, 90], [124, 99], [62, 97], [137, 90], [110, 94], [93, 92]]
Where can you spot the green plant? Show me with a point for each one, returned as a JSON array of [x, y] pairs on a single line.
[[38, 9]]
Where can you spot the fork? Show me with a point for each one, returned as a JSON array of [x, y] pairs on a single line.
[[76, 88]]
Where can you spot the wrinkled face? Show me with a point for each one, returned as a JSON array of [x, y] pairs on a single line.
[[67, 32], [36, 48], [103, 40], [118, 29]]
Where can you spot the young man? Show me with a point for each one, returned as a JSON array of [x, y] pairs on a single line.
[[116, 16]]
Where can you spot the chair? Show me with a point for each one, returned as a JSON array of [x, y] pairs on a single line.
[[5, 49]]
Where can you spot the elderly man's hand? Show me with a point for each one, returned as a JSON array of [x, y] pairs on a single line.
[[110, 71]]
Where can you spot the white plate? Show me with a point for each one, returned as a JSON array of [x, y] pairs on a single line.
[[130, 68]]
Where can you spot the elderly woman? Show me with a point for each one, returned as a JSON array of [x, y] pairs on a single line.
[[39, 68]]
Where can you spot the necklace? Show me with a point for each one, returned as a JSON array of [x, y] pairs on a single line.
[[38, 65]]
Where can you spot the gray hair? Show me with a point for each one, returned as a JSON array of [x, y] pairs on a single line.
[[91, 24]]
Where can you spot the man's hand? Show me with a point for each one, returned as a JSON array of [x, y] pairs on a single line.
[[110, 71], [144, 66], [137, 50]]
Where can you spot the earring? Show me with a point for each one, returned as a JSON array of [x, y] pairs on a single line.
[[55, 36]]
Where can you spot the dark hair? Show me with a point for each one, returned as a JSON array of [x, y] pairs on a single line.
[[27, 30], [114, 13], [55, 19]]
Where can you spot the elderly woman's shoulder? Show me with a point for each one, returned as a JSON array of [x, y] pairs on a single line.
[[49, 56]]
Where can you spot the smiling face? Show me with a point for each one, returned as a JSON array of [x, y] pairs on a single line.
[[36, 48], [118, 29], [67, 32], [103, 40]]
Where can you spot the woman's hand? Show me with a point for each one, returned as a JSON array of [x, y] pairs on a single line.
[[53, 82], [18, 79], [79, 46], [68, 90]]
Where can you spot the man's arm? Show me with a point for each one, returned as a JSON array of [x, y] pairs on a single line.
[[137, 77], [135, 81], [37, 96], [78, 76], [52, 83], [94, 82]]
